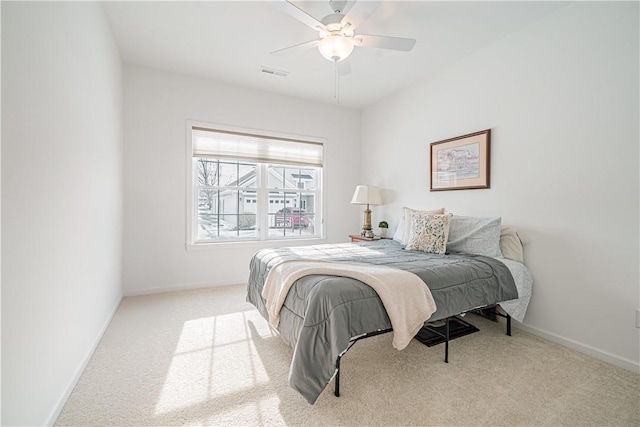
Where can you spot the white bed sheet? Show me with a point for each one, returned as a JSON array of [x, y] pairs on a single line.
[[517, 308]]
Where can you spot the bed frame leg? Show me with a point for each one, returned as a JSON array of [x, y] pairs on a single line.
[[494, 310], [446, 342], [352, 342], [337, 389]]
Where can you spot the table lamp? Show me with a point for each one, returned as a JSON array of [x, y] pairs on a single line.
[[366, 195]]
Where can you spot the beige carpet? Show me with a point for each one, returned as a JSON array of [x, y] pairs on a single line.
[[208, 358]]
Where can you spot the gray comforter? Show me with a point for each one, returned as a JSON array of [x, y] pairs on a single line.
[[322, 313]]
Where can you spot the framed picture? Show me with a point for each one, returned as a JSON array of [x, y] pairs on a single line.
[[461, 163]]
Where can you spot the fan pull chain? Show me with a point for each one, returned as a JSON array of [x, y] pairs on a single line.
[[336, 89]]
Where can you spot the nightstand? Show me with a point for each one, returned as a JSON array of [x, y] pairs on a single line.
[[359, 238]]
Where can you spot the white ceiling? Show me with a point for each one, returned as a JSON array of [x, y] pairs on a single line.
[[230, 41]]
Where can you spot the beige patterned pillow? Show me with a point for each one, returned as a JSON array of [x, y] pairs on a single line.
[[407, 213], [429, 233]]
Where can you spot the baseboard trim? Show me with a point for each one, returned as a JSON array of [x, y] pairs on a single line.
[[612, 359], [183, 287], [85, 361]]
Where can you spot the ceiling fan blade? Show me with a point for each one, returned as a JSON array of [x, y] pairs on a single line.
[[384, 42], [297, 47], [299, 14], [344, 67], [359, 12]]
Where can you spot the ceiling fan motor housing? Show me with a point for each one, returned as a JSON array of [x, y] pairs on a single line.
[[337, 5], [333, 22]]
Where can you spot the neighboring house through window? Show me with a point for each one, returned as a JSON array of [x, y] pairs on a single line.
[[247, 186]]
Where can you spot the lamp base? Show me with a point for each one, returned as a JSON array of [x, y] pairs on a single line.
[[367, 230], [368, 233]]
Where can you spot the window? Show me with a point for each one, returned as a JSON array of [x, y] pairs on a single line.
[[253, 187]]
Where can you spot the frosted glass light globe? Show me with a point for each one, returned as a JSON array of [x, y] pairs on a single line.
[[336, 47]]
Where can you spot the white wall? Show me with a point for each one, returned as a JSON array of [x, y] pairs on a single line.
[[561, 98], [157, 107], [61, 200], [0, 235]]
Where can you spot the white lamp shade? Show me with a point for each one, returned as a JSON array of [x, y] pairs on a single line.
[[366, 194], [335, 47]]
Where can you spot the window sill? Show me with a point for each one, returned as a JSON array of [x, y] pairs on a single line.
[[256, 244]]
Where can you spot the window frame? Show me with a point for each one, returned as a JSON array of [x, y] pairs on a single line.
[[197, 187], [262, 193]]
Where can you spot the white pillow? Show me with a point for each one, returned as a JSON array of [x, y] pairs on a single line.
[[398, 236], [404, 227], [429, 233], [475, 235]]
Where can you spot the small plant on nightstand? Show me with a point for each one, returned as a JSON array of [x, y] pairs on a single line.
[[383, 226]]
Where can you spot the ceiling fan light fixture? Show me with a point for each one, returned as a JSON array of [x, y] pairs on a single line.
[[336, 47]]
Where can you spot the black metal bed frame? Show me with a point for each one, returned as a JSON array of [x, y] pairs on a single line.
[[352, 341]]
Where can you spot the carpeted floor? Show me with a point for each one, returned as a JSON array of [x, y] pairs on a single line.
[[207, 357]]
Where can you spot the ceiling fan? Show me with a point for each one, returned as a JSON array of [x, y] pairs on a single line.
[[337, 36]]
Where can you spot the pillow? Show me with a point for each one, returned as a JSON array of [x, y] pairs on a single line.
[[429, 233], [398, 236], [475, 235], [402, 232], [512, 243]]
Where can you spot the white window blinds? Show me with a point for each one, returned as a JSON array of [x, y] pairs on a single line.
[[258, 148]]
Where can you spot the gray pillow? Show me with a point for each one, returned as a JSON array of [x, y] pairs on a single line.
[[475, 235]]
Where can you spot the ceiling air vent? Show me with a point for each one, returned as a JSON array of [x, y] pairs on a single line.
[[275, 72]]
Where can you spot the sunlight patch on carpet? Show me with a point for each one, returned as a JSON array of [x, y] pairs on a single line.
[[214, 357]]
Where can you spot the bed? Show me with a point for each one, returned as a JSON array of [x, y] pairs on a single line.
[[323, 315]]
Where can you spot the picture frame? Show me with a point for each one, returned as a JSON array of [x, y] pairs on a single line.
[[461, 163]]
